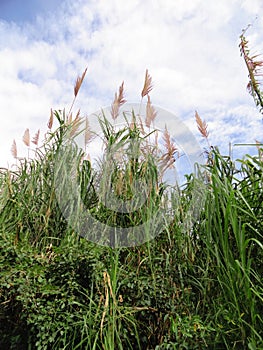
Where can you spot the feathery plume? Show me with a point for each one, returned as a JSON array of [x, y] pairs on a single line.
[[74, 124], [26, 138], [150, 112], [14, 149], [79, 82], [147, 84], [170, 147], [202, 126], [168, 158], [36, 138], [88, 135], [77, 86], [118, 102], [254, 67], [51, 120]]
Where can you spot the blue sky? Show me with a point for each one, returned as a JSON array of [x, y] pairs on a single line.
[[190, 48], [22, 11]]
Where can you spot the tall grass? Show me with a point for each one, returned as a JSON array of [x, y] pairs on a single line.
[[233, 239], [191, 287], [182, 290]]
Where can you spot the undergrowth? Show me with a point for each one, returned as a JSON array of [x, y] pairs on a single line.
[[182, 290]]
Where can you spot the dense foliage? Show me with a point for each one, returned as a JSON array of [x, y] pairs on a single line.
[[193, 289]]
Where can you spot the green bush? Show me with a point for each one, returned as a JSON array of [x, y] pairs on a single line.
[[186, 289]]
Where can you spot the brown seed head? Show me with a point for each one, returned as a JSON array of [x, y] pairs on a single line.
[[14, 149], [51, 120], [26, 138], [118, 102], [36, 138], [147, 84], [79, 82], [150, 113], [202, 126]]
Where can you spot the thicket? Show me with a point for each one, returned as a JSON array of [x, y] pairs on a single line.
[[182, 290]]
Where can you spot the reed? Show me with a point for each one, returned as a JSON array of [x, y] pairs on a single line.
[[195, 289]]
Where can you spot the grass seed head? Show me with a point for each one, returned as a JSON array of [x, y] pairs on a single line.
[[118, 102], [202, 126], [147, 84], [26, 138], [150, 112], [14, 149], [35, 139], [79, 82]]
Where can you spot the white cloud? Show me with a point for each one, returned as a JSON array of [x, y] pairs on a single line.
[[253, 7]]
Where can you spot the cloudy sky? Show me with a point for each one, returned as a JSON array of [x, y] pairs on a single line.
[[189, 47]]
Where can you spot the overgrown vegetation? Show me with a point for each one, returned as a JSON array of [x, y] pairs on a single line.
[[182, 290]]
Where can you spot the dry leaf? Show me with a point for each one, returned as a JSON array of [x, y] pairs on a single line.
[[26, 138]]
